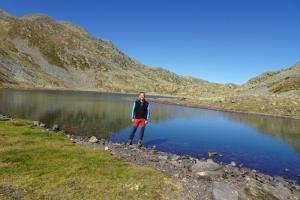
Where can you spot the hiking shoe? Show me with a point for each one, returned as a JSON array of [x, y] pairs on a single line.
[[129, 142], [140, 143]]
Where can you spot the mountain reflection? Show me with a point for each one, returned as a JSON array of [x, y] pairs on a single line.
[[285, 129], [82, 113]]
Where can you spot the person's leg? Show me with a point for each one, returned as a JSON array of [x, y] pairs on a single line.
[[134, 128], [131, 136], [141, 136]]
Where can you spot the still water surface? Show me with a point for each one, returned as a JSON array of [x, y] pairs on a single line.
[[263, 143]]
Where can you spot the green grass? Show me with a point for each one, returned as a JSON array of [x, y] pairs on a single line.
[[40, 164]]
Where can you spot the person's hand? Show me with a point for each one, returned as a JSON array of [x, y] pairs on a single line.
[[146, 122], [132, 120]]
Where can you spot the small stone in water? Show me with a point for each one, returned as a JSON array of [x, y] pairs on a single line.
[[212, 154], [286, 170]]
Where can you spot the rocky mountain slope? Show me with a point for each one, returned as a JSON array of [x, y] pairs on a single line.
[[38, 52], [276, 82]]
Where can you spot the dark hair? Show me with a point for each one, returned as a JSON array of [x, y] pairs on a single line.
[[144, 95]]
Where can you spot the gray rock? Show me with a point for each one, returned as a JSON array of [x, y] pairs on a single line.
[[257, 190], [4, 118], [208, 165], [36, 123], [93, 139], [175, 157], [176, 163], [212, 154], [216, 173], [55, 127], [163, 157], [224, 191], [42, 125], [233, 163]]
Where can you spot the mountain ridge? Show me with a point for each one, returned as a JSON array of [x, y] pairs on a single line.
[[67, 46], [37, 51]]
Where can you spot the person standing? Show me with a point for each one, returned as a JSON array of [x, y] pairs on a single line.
[[140, 116]]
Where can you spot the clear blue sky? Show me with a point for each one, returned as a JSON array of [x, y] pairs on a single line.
[[217, 40]]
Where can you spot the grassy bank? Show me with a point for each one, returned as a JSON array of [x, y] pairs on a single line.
[[40, 164]]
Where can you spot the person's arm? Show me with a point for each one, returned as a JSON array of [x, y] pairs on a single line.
[[132, 111], [148, 112]]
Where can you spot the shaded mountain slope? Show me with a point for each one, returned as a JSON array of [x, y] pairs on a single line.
[[38, 51]]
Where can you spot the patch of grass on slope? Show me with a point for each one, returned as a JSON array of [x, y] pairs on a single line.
[[287, 84], [40, 164]]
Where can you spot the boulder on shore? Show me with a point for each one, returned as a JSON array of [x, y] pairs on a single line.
[[224, 191], [55, 127], [4, 118], [203, 166], [42, 125], [36, 123], [93, 139]]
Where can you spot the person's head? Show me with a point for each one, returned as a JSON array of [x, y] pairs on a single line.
[[142, 96]]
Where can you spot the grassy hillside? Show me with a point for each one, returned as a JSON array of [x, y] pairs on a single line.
[[40, 164], [275, 82]]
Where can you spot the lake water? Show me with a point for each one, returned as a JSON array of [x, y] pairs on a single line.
[[263, 143]]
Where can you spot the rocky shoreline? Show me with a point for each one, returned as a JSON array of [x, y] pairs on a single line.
[[200, 178]]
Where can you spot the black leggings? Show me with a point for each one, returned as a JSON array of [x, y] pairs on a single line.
[[131, 136]]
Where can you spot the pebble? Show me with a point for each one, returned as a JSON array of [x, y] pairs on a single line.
[[93, 139], [42, 125], [55, 127], [212, 154], [36, 123], [233, 163]]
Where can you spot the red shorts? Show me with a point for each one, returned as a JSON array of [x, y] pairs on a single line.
[[141, 121]]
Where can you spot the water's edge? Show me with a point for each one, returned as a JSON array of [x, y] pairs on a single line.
[[163, 99], [198, 176]]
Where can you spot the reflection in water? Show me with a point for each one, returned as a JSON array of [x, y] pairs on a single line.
[[286, 129], [83, 113], [264, 143]]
